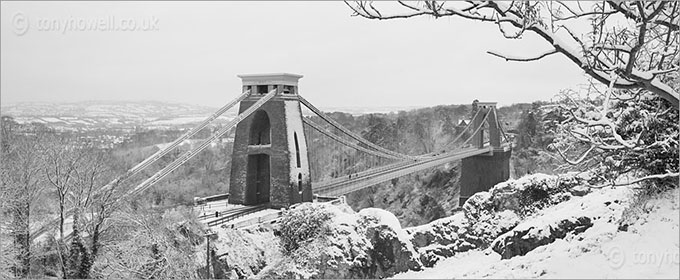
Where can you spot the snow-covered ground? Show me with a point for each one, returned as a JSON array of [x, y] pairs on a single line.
[[649, 248]]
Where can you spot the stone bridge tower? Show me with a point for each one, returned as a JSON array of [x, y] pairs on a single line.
[[270, 164], [482, 172]]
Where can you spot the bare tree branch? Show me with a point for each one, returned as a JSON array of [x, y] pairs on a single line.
[[522, 59], [638, 180], [595, 59]]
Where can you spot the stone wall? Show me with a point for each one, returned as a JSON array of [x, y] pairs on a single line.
[[481, 173]]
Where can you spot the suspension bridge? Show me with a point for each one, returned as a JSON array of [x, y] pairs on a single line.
[[281, 158]]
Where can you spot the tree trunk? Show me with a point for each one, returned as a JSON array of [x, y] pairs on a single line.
[[21, 241], [61, 220], [26, 244]]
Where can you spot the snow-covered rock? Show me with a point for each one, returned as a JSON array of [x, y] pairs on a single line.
[[524, 195], [527, 235], [648, 248], [243, 253], [368, 244], [519, 242], [442, 232], [568, 218], [488, 215], [441, 238], [393, 251]]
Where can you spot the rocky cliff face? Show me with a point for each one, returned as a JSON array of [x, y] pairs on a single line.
[[368, 244], [487, 215], [512, 219], [241, 254]]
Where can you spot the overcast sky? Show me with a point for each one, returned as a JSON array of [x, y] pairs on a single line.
[[195, 50]]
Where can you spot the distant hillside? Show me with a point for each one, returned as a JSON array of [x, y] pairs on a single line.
[[110, 114], [131, 114], [356, 111]]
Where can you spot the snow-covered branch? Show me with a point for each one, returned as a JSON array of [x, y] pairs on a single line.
[[605, 49], [522, 59], [620, 135], [580, 159], [638, 180]]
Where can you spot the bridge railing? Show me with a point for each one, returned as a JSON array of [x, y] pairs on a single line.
[[239, 214], [269, 218]]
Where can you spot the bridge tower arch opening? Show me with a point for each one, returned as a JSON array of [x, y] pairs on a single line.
[[270, 162], [258, 177], [260, 129]]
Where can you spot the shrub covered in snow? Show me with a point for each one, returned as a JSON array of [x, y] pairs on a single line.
[[302, 224]]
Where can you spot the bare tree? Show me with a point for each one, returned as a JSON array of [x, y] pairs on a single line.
[[630, 45], [92, 208], [77, 170], [152, 245], [21, 184], [62, 157], [628, 121]]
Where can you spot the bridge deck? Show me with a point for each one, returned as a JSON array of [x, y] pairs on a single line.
[[344, 185]]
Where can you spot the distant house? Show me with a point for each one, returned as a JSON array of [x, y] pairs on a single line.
[[463, 122]]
